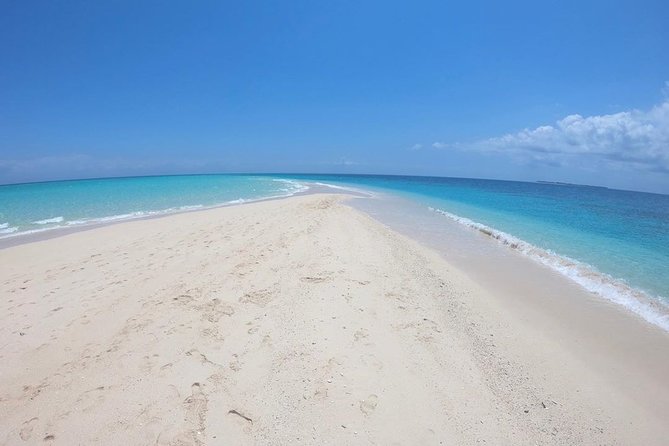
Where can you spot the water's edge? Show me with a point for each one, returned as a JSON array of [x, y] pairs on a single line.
[[587, 276], [584, 275], [20, 238]]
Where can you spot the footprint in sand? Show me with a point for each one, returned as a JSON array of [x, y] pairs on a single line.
[[91, 399], [368, 405], [260, 297], [235, 365], [27, 429], [316, 279], [215, 310], [363, 333], [195, 407]]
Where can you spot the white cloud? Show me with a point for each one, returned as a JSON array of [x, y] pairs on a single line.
[[416, 147], [440, 145], [636, 139]]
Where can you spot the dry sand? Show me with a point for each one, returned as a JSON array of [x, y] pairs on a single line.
[[296, 321]]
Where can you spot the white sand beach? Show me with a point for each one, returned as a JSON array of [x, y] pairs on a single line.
[[303, 321]]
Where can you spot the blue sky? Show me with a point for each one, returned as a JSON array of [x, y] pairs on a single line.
[[553, 90]]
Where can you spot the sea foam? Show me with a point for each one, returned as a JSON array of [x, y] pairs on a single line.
[[6, 229], [615, 290], [47, 221], [294, 187], [365, 192]]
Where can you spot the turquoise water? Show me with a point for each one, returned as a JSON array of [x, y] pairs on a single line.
[[36, 207], [614, 243]]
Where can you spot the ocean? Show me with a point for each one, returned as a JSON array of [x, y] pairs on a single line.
[[614, 243], [38, 207]]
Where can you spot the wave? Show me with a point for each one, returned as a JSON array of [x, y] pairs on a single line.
[[293, 187], [6, 229], [17, 233], [615, 290], [48, 221], [138, 214], [348, 189]]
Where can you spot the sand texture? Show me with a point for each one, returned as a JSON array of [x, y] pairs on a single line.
[[295, 321]]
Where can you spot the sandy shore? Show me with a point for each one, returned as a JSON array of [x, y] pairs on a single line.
[[296, 321]]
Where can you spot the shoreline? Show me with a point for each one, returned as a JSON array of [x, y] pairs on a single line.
[[646, 307], [21, 238], [611, 339], [306, 315], [424, 227], [650, 308]]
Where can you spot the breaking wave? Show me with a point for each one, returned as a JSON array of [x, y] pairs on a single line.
[[601, 284], [48, 221]]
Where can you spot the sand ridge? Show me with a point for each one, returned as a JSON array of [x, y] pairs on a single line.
[[296, 321]]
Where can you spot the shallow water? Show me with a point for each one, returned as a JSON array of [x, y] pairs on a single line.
[[37, 207], [612, 243]]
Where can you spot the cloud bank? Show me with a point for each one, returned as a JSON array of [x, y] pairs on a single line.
[[632, 139]]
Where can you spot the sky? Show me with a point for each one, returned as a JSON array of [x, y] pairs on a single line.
[[573, 91]]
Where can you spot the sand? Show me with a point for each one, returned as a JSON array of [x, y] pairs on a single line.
[[295, 321]]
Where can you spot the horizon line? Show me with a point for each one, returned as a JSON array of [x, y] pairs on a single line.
[[119, 177]]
